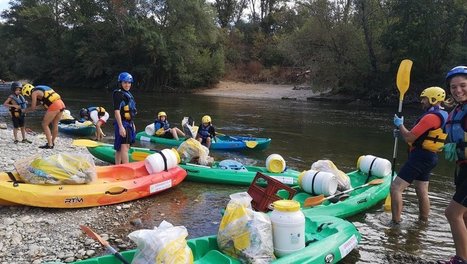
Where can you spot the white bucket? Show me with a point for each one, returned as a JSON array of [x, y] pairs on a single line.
[[318, 182], [275, 163], [155, 163], [150, 130], [379, 167], [288, 227]]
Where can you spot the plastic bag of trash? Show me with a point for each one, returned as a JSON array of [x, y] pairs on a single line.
[[163, 244], [191, 150], [62, 168], [343, 180], [244, 233]]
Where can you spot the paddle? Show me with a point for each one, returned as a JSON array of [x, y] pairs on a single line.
[[106, 244], [249, 143], [402, 82], [140, 155], [88, 143], [317, 200]]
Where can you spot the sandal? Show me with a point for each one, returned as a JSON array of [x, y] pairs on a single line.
[[46, 146], [26, 141], [16, 141]]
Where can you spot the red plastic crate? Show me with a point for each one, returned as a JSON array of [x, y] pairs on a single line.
[[263, 197]]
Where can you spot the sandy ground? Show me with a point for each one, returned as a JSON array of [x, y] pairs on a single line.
[[258, 90]]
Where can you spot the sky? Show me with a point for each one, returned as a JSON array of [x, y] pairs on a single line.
[[4, 4]]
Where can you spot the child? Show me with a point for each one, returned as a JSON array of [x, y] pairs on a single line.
[[17, 103], [98, 115], [206, 132], [125, 111], [162, 127]]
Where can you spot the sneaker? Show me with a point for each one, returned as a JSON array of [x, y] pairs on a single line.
[[16, 141], [453, 260], [26, 141], [46, 146]]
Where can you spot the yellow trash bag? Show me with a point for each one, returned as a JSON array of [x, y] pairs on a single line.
[[191, 150], [63, 168], [164, 244], [244, 233], [343, 180]]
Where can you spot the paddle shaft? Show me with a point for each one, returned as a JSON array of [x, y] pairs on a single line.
[[394, 154], [106, 244]]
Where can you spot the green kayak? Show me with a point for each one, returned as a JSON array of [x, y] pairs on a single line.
[[235, 143], [328, 240], [359, 200], [200, 173]]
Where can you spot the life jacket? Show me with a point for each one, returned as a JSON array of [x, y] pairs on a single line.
[[433, 139], [100, 110], [127, 106], [456, 130], [161, 124], [204, 132], [49, 97], [19, 99]]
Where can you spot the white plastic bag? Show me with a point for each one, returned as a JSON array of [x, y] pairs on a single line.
[[244, 233], [164, 244], [343, 180], [191, 150]]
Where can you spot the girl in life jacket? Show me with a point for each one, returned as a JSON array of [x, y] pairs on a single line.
[[17, 104], [162, 127], [125, 111], [99, 117], [206, 132]]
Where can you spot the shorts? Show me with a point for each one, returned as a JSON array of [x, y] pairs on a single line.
[[57, 105], [18, 121], [168, 135], [418, 166], [130, 135], [94, 115], [460, 195]]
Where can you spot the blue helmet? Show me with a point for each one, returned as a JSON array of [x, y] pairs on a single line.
[[125, 77], [455, 71]]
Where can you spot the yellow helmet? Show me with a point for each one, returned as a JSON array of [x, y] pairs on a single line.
[[161, 114], [206, 119], [27, 89], [434, 94]]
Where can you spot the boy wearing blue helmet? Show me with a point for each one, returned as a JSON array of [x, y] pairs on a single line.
[[125, 111]]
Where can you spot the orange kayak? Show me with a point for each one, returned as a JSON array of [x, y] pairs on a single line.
[[114, 184]]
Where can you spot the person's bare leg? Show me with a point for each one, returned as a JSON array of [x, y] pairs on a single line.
[[397, 187], [57, 118], [48, 118], [124, 153], [456, 214], [421, 188]]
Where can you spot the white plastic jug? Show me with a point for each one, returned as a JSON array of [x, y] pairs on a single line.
[[288, 227], [275, 163], [318, 182], [150, 129], [378, 167], [155, 162]]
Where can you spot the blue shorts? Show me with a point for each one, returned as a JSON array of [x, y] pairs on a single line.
[[130, 135], [461, 185], [418, 166]]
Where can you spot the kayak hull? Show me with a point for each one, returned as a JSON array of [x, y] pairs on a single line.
[[74, 130], [329, 240], [206, 174], [114, 184], [234, 143]]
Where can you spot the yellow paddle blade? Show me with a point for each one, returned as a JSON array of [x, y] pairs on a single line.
[[403, 77], [139, 155], [251, 144], [314, 200], [86, 143], [387, 203]]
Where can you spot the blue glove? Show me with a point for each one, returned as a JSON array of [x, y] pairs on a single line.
[[398, 121], [450, 151], [396, 133]]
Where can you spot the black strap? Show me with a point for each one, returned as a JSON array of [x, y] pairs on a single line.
[[313, 183], [164, 158], [369, 170], [13, 179], [435, 139]]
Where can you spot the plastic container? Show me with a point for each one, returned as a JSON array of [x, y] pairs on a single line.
[[378, 167], [155, 162], [275, 163], [150, 130], [263, 197], [318, 182], [288, 227]]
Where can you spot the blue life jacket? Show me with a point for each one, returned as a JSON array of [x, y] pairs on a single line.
[[433, 139], [204, 131], [456, 130], [20, 101], [50, 95], [158, 124], [127, 106]]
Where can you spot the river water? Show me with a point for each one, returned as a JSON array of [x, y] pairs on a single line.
[[302, 132]]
